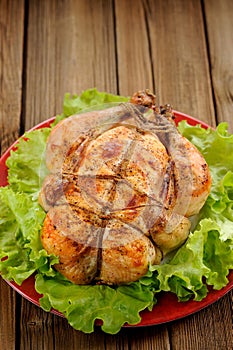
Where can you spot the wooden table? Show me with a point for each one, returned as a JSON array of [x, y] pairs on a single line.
[[182, 49]]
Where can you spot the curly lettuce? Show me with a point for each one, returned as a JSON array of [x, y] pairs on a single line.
[[204, 260]]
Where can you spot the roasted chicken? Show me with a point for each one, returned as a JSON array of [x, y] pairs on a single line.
[[123, 183]]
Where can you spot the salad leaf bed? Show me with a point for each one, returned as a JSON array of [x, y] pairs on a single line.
[[205, 259]]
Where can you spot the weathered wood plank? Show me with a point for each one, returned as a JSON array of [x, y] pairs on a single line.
[[205, 329], [220, 37], [7, 316], [36, 328], [60, 60], [133, 47], [182, 77], [46, 331], [179, 54], [156, 337], [154, 49], [11, 67], [70, 48]]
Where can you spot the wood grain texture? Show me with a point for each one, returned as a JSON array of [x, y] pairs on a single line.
[[155, 51], [180, 67], [155, 337], [219, 24], [205, 330], [133, 47], [42, 330], [179, 55], [11, 66], [70, 48], [117, 46], [7, 316]]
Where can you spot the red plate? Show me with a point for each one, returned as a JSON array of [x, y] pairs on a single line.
[[168, 308]]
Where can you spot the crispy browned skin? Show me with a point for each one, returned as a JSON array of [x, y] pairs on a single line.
[[77, 261], [121, 247], [122, 185]]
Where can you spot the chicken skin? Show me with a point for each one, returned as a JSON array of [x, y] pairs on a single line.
[[122, 185]]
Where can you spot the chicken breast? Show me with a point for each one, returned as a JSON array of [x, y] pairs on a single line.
[[121, 187]]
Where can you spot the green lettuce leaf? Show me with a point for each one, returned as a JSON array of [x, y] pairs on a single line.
[[26, 166], [89, 99], [204, 255], [82, 305], [217, 148], [204, 260], [215, 145], [21, 252]]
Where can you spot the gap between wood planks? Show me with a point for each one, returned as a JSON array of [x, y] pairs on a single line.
[[24, 69], [209, 60]]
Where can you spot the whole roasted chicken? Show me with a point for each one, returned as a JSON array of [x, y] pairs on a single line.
[[123, 183]]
